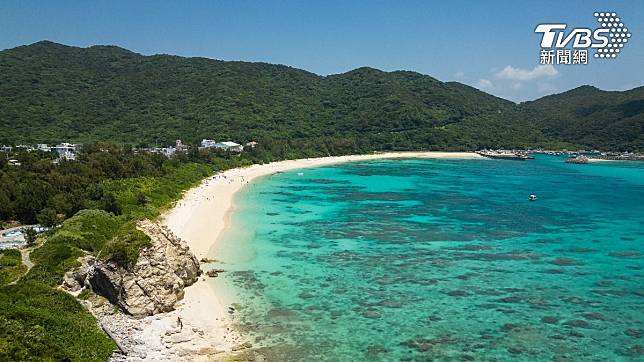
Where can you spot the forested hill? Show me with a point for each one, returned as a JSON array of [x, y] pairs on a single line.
[[51, 92], [591, 116]]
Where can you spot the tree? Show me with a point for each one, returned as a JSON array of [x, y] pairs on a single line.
[[141, 199], [48, 217], [30, 236], [111, 204]]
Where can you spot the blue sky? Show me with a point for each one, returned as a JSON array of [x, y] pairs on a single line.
[[467, 41]]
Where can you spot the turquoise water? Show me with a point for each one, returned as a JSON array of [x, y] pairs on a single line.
[[441, 260]]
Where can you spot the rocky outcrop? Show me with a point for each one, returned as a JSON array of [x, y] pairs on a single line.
[[154, 285]]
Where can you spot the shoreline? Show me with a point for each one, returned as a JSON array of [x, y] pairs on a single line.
[[200, 218]]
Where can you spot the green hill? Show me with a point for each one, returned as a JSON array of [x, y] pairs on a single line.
[[592, 117], [51, 92]]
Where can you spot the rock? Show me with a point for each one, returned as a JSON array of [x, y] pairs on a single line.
[[594, 316], [550, 320], [578, 323], [633, 351], [636, 333], [508, 327], [180, 338], [515, 350], [212, 273], [565, 262], [74, 280], [154, 285], [242, 346], [457, 293]]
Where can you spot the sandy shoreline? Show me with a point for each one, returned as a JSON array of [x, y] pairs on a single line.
[[200, 218]]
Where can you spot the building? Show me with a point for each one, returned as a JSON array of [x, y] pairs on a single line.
[[251, 144], [208, 143], [6, 149], [13, 162], [67, 156], [65, 147], [229, 146], [43, 147], [179, 146]]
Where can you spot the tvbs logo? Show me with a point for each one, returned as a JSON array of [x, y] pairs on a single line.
[[559, 46]]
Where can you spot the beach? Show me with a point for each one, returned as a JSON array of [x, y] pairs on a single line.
[[200, 218]]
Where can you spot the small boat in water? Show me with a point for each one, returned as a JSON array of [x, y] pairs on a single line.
[[532, 197]]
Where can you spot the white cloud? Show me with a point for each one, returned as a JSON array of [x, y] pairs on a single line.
[[519, 75], [484, 84]]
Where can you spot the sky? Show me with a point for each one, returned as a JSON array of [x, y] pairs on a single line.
[[490, 45]]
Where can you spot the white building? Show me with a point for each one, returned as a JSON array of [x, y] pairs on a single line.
[[251, 144], [64, 147], [208, 143], [229, 146]]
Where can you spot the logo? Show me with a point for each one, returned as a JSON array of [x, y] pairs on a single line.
[[560, 45]]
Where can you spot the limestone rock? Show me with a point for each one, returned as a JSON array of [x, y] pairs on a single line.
[[154, 285]]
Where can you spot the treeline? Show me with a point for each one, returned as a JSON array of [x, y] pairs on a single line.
[[40, 191]]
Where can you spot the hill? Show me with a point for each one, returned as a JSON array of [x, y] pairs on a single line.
[[51, 92], [592, 117]]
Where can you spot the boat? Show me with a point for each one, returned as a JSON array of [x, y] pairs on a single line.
[[505, 155], [532, 197]]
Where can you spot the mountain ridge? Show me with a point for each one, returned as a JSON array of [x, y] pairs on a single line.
[[53, 92]]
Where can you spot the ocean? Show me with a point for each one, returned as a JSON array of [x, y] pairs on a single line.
[[440, 259]]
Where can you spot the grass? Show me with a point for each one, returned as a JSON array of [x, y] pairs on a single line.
[[11, 267], [40, 323]]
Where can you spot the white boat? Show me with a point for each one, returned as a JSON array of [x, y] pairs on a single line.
[[532, 197]]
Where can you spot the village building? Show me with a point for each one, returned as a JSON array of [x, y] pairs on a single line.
[[208, 143], [64, 147], [229, 146]]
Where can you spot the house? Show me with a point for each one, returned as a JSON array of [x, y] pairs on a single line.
[[13, 162], [67, 156], [179, 146], [208, 143], [251, 144], [43, 147], [168, 151], [6, 149], [64, 147], [229, 146]]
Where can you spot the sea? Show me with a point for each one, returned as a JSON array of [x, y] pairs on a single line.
[[439, 260]]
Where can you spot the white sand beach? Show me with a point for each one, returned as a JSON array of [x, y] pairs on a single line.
[[199, 219]]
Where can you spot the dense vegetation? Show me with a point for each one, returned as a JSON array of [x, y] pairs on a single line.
[[100, 197], [51, 93], [592, 117]]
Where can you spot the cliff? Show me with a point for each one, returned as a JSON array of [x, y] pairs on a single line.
[[154, 285]]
